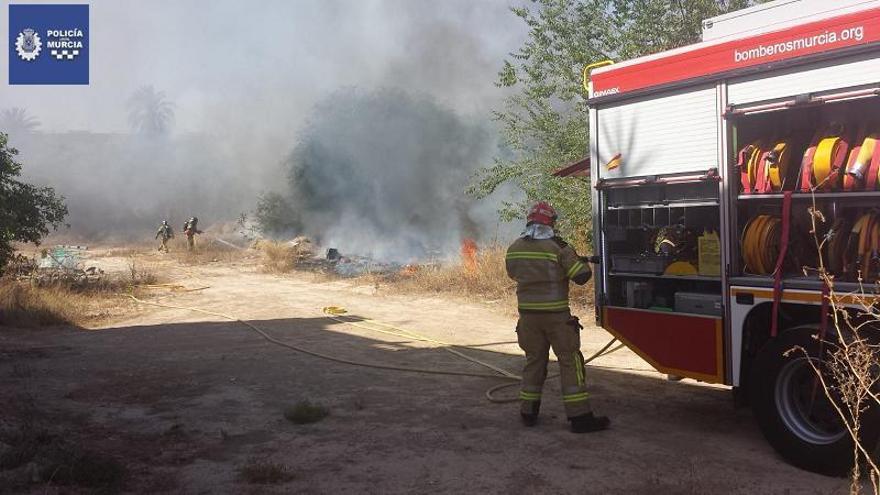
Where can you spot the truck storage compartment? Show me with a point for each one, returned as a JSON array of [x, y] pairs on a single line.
[[830, 166], [660, 238]]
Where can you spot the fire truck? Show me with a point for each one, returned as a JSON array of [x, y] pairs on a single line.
[[705, 162]]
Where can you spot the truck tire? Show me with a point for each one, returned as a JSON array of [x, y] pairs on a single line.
[[799, 423]]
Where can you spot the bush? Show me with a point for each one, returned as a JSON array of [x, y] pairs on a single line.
[[26, 212], [275, 216], [305, 412]]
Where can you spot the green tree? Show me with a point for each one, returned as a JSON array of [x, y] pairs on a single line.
[[544, 122], [27, 212]]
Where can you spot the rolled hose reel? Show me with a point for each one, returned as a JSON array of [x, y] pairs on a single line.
[[851, 249], [834, 159], [760, 244]]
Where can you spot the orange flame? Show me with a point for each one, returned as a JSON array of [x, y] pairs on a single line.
[[469, 254]]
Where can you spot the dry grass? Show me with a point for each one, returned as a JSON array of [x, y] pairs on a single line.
[[28, 306], [128, 251], [31, 304], [277, 257], [282, 257], [206, 250], [484, 280]]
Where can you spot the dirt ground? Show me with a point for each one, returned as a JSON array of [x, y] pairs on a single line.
[[184, 400]]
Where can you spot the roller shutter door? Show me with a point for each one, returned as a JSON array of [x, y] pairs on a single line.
[[660, 134]]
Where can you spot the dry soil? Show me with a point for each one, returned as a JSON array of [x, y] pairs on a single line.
[[184, 400]]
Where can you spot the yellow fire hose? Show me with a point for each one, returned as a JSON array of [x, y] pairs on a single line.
[[337, 314], [389, 330]]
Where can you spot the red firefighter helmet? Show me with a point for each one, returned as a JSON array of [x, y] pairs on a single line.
[[542, 213]]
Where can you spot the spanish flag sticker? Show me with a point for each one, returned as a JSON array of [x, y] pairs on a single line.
[[613, 163]]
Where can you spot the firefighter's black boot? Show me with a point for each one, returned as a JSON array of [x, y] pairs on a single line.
[[530, 418], [587, 423]]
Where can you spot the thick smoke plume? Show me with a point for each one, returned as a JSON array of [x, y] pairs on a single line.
[[119, 186], [234, 85], [383, 173]]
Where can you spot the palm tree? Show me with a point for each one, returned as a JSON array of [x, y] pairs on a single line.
[[150, 112], [15, 121]]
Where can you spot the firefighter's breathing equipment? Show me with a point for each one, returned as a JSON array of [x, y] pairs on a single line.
[[542, 269], [190, 229], [542, 213], [164, 234]]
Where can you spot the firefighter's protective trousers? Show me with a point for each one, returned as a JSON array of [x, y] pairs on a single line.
[[537, 333]]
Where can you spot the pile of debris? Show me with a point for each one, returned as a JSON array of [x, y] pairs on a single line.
[[302, 254], [59, 265], [342, 265]]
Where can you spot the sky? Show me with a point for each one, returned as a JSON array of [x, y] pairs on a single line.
[[260, 66]]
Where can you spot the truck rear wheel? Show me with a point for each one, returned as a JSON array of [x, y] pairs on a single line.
[[793, 411]]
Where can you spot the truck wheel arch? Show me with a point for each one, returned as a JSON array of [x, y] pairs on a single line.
[[756, 330]]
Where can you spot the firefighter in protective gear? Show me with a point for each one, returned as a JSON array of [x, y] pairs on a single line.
[[164, 234], [542, 265], [190, 229]]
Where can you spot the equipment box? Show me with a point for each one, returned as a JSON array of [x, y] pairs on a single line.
[[698, 303], [639, 263]]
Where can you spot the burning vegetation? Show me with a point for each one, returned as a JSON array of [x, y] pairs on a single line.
[[381, 174]]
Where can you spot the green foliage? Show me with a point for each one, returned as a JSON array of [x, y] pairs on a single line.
[[544, 123], [276, 216], [26, 211]]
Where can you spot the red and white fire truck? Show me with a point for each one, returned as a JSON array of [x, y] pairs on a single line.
[[705, 161]]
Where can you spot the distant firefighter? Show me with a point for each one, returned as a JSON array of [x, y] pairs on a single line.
[[164, 234], [190, 229]]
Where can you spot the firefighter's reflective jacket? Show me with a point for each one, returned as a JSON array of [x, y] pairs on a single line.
[[542, 269]]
